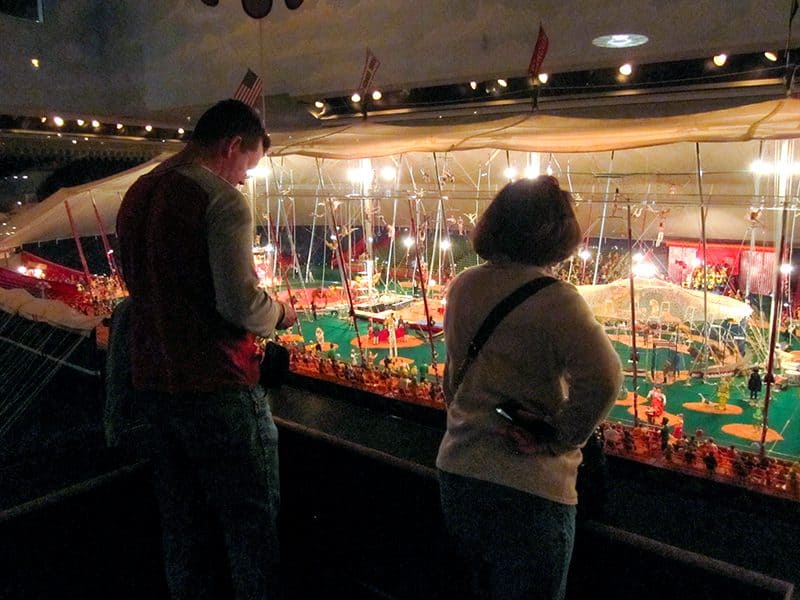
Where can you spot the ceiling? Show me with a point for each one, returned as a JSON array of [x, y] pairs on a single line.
[[167, 61]]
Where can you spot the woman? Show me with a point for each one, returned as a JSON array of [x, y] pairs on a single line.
[[508, 494]]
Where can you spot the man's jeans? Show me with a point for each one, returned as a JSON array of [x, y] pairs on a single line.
[[215, 466], [518, 545]]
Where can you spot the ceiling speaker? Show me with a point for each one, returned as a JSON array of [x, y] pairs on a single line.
[[258, 9]]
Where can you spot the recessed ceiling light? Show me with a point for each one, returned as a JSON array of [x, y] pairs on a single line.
[[620, 40]]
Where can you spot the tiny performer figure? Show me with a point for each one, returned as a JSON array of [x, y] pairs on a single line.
[[658, 401], [723, 393], [754, 384], [320, 337], [391, 326]]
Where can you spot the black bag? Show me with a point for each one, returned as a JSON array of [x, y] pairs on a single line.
[[274, 365]]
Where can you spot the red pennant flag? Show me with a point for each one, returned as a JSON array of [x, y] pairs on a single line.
[[371, 65], [539, 52], [250, 90]]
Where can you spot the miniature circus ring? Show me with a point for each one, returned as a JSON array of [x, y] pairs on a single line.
[[751, 432], [713, 408]]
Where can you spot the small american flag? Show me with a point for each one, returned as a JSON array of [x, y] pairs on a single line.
[[249, 91], [371, 65], [539, 52]]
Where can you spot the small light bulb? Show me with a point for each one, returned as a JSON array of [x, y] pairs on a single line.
[[80, 122], [356, 97], [543, 77], [510, 173], [376, 95], [119, 125], [319, 104], [626, 69], [771, 56], [720, 59], [473, 85], [181, 131], [58, 121], [502, 83], [35, 63], [95, 123], [148, 128]]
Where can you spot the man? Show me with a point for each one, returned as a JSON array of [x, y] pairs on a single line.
[[185, 235]]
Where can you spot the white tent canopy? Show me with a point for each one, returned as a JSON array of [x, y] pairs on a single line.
[[652, 162]]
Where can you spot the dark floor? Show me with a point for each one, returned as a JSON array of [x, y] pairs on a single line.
[[360, 520]]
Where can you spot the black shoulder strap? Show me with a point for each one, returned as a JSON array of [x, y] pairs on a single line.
[[498, 313]]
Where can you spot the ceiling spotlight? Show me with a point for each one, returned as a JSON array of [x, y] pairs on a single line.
[[626, 69], [376, 95], [356, 97], [58, 121], [620, 40], [720, 59], [473, 85], [502, 83], [181, 131], [119, 126], [771, 56], [543, 77], [35, 63], [95, 123], [319, 104]]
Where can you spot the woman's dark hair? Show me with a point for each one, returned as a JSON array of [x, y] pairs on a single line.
[[227, 119], [530, 221]]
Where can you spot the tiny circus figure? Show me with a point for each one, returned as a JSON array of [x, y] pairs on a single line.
[[320, 337], [754, 384], [658, 401], [723, 393], [391, 327]]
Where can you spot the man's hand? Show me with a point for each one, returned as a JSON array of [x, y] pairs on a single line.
[[289, 316]]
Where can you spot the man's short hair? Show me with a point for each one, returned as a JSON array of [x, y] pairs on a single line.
[[530, 221], [227, 119]]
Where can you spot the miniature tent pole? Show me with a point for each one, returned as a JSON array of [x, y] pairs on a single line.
[[603, 221], [78, 244], [346, 283], [440, 222], [751, 257], [703, 215], [106, 246], [320, 187], [391, 259], [777, 301], [428, 327], [777, 296], [634, 356]]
